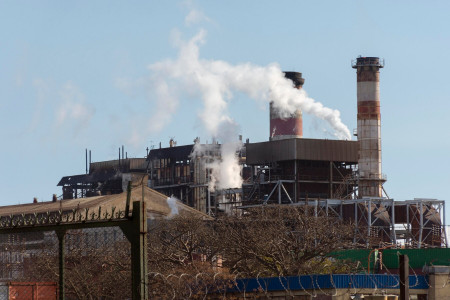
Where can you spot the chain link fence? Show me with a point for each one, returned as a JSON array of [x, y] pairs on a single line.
[[97, 265], [78, 254]]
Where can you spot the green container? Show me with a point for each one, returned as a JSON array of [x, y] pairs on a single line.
[[417, 257]]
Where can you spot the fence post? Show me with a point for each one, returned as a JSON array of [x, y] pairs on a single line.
[[136, 233], [404, 276], [61, 234]]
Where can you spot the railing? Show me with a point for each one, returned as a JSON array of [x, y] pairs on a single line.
[[368, 61]]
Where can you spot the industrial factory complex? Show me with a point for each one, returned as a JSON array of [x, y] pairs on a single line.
[[116, 202], [340, 178]]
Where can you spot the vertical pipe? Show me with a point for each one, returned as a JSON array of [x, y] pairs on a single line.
[[279, 191], [356, 221], [295, 174], [443, 225], [86, 162], [316, 204], [408, 224], [369, 212], [209, 201], [90, 160], [421, 224], [394, 235], [331, 179], [127, 204], [295, 177]]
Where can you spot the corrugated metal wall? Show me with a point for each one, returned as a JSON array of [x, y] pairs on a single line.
[[302, 149]]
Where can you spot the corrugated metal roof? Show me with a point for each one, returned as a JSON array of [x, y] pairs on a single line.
[[157, 205], [302, 149], [336, 281]]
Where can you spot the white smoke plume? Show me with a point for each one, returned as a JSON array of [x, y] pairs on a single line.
[[72, 107], [214, 81], [225, 168], [172, 202]]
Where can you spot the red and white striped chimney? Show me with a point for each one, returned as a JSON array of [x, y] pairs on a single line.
[[291, 126], [369, 126]]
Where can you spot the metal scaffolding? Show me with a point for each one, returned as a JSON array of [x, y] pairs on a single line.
[[414, 223]]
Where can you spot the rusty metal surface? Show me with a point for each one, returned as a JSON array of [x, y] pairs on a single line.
[[302, 149], [288, 126], [125, 165], [369, 110], [368, 75]]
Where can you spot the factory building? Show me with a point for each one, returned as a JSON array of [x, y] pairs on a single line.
[[339, 178]]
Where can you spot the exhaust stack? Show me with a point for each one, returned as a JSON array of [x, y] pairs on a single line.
[[292, 126], [369, 126]]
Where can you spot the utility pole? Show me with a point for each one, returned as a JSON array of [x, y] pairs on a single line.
[[404, 276]]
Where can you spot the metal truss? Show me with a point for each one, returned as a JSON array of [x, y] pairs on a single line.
[[375, 221], [425, 222], [279, 188]]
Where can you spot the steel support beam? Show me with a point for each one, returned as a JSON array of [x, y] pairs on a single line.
[[137, 235], [61, 234]]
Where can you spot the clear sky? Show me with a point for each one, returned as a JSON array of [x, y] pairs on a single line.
[[75, 75]]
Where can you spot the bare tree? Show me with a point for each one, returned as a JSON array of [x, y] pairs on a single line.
[[189, 257], [283, 241], [264, 241]]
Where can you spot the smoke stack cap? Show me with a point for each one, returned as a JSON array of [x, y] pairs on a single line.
[[296, 77]]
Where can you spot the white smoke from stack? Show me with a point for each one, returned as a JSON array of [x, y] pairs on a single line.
[[172, 202], [225, 169], [215, 81]]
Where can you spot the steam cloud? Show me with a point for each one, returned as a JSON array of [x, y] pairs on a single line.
[[215, 81], [172, 202], [73, 107]]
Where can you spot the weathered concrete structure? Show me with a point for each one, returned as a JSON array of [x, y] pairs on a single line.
[[369, 126]]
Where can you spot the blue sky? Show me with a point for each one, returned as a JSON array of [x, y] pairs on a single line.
[[74, 75]]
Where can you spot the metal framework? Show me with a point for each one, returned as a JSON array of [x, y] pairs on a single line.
[[134, 228], [414, 223], [425, 221], [271, 186]]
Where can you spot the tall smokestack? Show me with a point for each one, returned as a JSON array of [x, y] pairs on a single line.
[[369, 126], [292, 126]]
